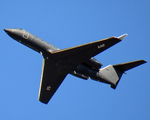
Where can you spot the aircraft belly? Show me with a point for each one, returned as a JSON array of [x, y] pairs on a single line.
[[82, 69], [76, 60]]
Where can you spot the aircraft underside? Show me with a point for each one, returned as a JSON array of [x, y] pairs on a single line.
[[78, 61]]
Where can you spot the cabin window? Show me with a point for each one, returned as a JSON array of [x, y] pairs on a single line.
[[36, 37]]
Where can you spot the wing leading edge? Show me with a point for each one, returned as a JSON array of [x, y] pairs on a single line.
[[52, 76]]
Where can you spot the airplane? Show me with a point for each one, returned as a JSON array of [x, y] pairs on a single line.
[[78, 61]]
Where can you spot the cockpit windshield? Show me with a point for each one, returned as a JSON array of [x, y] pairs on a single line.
[[19, 28]]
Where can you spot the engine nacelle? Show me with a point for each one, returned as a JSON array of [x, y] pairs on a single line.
[[93, 63]]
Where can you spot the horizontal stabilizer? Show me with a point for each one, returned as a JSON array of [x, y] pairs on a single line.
[[113, 73], [129, 65], [120, 68]]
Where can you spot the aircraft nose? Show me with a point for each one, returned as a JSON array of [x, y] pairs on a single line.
[[11, 32], [8, 30]]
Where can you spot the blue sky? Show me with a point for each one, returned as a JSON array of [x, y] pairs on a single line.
[[66, 23]]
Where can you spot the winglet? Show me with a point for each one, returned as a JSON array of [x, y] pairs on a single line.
[[122, 36]]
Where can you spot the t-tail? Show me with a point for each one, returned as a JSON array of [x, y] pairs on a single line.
[[113, 73]]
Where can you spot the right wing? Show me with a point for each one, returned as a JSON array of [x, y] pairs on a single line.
[[52, 76]]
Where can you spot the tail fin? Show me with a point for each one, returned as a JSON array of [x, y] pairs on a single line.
[[114, 72]]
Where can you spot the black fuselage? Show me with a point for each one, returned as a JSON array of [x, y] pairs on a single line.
[[88, 69]]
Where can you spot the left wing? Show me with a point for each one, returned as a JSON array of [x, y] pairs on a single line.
[[52, 76], [79, 54]]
